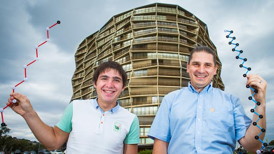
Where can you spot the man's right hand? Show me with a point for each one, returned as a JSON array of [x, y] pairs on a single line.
[[22, 105]]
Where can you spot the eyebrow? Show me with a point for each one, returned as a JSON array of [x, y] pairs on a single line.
[[197, 62], [103, 76], [115, 77]]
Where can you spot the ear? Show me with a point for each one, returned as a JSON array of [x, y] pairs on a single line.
[[123, 88], [216, 68], [187, 67]]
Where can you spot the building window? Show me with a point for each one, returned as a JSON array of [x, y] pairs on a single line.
[[144, 17], [145, 39], [184, 58], [145, 31], [168, 24], [127, 67], [168, 30], [145, 10], [150, 110], [144, 131], [144, 24], [140, 73], [125, 102]]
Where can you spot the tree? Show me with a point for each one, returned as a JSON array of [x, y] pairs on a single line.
[[4, 139], [271, 142], [9, 144], [4, 131]]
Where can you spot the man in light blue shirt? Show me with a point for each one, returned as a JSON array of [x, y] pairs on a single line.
[[203, 119]]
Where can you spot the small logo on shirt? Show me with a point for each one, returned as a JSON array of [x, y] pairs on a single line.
[[212, 110], [117, 126]]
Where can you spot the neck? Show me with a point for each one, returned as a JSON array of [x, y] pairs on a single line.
[[199, 89], [105, 106]]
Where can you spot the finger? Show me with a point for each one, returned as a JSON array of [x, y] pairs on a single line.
[[12, 99], [253, 85], [18, 96], [255, 80]]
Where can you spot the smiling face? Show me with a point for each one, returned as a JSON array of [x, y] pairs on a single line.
[[201, 69], [109, 86]]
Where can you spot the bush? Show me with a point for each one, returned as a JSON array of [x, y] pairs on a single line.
[[146, 152]]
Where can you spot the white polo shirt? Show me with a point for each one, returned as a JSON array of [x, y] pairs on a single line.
[[94, 131]]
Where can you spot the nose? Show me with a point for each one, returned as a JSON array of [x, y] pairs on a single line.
[[201, 69], [109, 83]]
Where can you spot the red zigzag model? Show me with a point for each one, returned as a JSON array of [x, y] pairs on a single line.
[[3, 124]]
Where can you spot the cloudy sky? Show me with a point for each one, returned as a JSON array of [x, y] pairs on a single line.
[[23, 27]]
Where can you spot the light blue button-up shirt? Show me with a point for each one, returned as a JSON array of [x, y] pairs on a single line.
[[210, 121]]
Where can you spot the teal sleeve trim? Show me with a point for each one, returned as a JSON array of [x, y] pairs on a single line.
[[133, 137], [65, 123]]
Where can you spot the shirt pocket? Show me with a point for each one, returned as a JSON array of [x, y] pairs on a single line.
[[220, 119]]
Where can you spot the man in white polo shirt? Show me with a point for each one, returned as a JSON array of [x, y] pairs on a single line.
[[98, 125]]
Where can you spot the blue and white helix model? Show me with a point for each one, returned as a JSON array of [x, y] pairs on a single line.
[[255, 123]]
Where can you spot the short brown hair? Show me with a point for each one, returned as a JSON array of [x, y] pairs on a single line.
[[206, 49]]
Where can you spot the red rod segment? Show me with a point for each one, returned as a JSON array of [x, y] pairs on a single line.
[[47, 34], [31, 62], [7, 106], [42, 43], [19, 83], [2, 117], [25, 72], [58, 22], [36, 51]]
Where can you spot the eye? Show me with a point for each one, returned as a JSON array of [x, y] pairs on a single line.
[[117, 79], [208, 65], [195, 64], [103, 78]]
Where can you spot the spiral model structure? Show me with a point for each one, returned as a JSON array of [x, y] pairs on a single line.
[[234, 49], [3, 124]]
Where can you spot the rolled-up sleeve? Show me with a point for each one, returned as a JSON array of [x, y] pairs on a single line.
[[242, 121], [160, 127]]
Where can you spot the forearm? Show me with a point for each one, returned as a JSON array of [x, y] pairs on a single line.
[[44, 133], [249, 142], [160, 147], [50, 137], [130, 149]]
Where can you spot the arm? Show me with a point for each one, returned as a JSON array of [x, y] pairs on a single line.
[[50, 137], [159, 147], [248, 141], [160, 128], [132, 139], [130, 148]]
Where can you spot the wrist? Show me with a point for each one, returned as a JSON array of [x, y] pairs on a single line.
[[29, 115], [262, 104]]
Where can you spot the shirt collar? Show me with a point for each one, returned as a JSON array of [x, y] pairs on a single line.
[[206, 89], [113, 110]]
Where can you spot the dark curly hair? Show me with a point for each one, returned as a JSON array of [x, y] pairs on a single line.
[[110, 65]]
